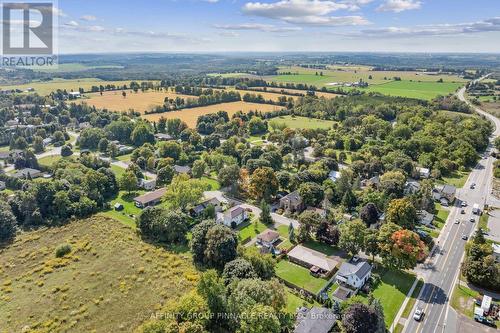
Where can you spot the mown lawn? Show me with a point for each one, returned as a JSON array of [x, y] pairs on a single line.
[[214, 184], [118, 171], [457, 179], [320, 247], [129, 212], [391, 290], [48, 161], [299, 276], [248, 230], [293, 302], [462, 300]]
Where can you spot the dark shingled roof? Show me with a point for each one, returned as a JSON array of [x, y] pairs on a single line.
[[317, 320]]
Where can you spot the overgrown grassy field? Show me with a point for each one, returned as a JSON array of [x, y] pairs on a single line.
[[191, 115], [46, 87], [303, 122], [140, 101], [111, 280]]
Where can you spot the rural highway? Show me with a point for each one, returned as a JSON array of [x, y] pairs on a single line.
[[442, 269]]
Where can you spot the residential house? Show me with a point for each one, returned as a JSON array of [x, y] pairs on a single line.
[[27, 173], [354, 273], [2, 186], [74, 94], [423, 172], [315, 320], [292, 202], [182, 169], [46, 141], [425, 218], [163, 137], [334, 175], [411, 187], [268, 238], [150, 198], [200, 208], [372, 182], [12, 122], [316, 262], [322, 212], [496, 252], [233, 216], [148, 185], [444, 193]]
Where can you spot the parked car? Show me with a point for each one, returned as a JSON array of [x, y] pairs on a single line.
[[472, 220], [484, 320], [472, 186], [464, 203], [419, 314], [465, 237], [462, 211]]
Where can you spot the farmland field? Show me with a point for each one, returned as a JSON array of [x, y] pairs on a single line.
[[422, 90], [46, 87], [303, 122], [140, 101], [110, 280], [295, 91], [354, 74], [191, 115]]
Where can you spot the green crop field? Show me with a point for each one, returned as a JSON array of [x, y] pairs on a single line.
[[421, 90], [46, 87], [303, 122]]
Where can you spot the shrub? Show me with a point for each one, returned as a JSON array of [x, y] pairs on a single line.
[[63, 250]]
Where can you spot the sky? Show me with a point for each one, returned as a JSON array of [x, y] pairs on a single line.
[[101, 26]]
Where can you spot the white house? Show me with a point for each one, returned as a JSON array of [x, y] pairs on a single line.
[[423, 172], [496, 252], [235, 215], [354, 273], [148, 185], [74, 94], [334, 175]]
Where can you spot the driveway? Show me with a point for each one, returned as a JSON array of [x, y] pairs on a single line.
[[494, 225]]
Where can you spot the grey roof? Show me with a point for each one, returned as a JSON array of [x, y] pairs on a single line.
[[24, 173], [235, 211], [293, 197], [360, 268], [182, 169], [316, 320], [313, 258], [449, 189]]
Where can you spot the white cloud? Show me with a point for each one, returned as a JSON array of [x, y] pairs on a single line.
[[292, 8], [256, 26], [72, 23], [307, 12], [88, 18], [488, 25], [398, 6]]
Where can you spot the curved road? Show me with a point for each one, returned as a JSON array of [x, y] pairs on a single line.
[[441, 270]]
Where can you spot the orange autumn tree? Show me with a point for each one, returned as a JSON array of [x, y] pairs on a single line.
[[407, 249]]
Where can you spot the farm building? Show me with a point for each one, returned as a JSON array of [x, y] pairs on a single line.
[[316, 261]]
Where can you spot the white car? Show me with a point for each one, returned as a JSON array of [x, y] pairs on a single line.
[[419, 314], [464, 203], [457, 221]]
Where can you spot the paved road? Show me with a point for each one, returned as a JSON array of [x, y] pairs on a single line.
[[443, 267], [55, 151]]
